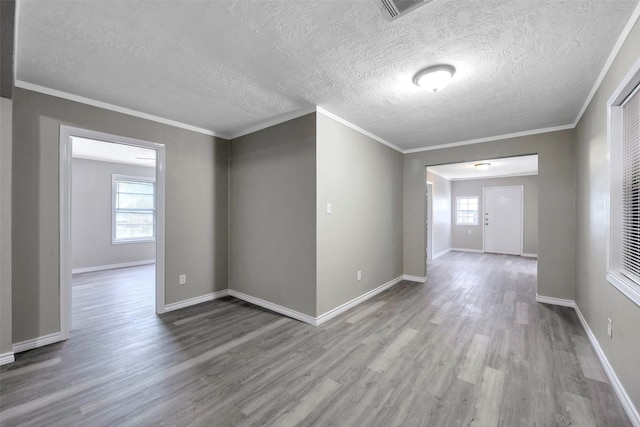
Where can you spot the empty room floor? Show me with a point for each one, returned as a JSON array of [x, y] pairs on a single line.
[[471, 346]]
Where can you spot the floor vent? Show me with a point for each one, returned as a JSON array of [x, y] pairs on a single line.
[[393, 9]]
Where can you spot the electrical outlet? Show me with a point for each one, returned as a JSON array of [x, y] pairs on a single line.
[[609, 330], [183, 279], [359, 275]]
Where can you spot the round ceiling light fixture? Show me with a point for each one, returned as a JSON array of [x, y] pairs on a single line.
[[483, 165], [434, 78]]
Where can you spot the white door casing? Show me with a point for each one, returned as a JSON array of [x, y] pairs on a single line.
[[503, 219], [429, 224], [66, 132]]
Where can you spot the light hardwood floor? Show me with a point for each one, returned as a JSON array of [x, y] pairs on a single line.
[[469, 347]]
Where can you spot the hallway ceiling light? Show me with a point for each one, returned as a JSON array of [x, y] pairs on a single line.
[[435, 78], [483, 165]]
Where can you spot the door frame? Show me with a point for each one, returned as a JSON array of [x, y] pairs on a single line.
[[65, 179], [484, 224], [429, 216]]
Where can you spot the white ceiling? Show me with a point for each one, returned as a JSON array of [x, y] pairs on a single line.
[[227, 66], [83, 148], [508, 166]]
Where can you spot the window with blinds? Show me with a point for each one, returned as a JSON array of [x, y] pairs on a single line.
[[623, 136], [466, 210], [134, 212], [630, 232]]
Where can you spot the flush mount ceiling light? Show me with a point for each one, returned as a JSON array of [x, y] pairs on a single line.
[[483, 165], [434, 78]]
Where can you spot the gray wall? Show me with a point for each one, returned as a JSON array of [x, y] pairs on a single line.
[[196, 205], [596, 298], [470, 236], [441, 222], [273, 221], [556, 229], [5, 226], [91, 205], [362, 179]]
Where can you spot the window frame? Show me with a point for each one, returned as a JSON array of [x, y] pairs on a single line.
[[477, 217], [629, 87], [114, 191]]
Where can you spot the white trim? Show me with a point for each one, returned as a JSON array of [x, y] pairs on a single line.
[[116, 108], [359, 129], [439, 254], [477, 251], [613, 193], [419, 279], [65, 273], [477, 222], [65, 171], [7, 358], [14, 68], [624, 285], [555, 301], [350, 304], [607, 65], [112, 266], [624, 398], [37, 342], [490, 138], [529, 255], [274, 307], [273, 121], [509, 175], [196, 300], [115, 177]]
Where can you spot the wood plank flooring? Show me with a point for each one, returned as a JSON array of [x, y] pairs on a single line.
[[469, 347]]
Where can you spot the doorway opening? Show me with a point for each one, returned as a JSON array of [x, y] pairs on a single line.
[[467, 209], [111, 217]]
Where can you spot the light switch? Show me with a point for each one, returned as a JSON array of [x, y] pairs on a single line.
[[328, 208]]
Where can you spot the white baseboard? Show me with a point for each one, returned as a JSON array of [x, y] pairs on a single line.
[[112, 266], [418, 279], [196, 300], [528, 255], [7, 358], [274, 307], [37, 342], [350, 304], [556, 301], [624, 398], [477, 251]]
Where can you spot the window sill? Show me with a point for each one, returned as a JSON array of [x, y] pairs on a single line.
[[126, 242], [624, 285]]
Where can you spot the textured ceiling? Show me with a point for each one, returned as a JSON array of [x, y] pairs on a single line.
[[229, 65], [507, 166], [83, 148]]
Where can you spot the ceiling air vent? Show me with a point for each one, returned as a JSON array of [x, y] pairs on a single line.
[[393, 9]]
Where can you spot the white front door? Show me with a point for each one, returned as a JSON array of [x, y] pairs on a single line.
[[503, 220]]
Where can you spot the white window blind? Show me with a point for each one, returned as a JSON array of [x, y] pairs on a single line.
[[467, 210], [134, 210], [631, 187]]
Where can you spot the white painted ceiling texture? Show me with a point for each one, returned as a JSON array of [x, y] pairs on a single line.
[[227, 66], [503, 167]]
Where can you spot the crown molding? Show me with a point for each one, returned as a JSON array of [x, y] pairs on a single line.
[[273, 121], [491, 138], [358, 129], [607, 65], [118, 109]]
